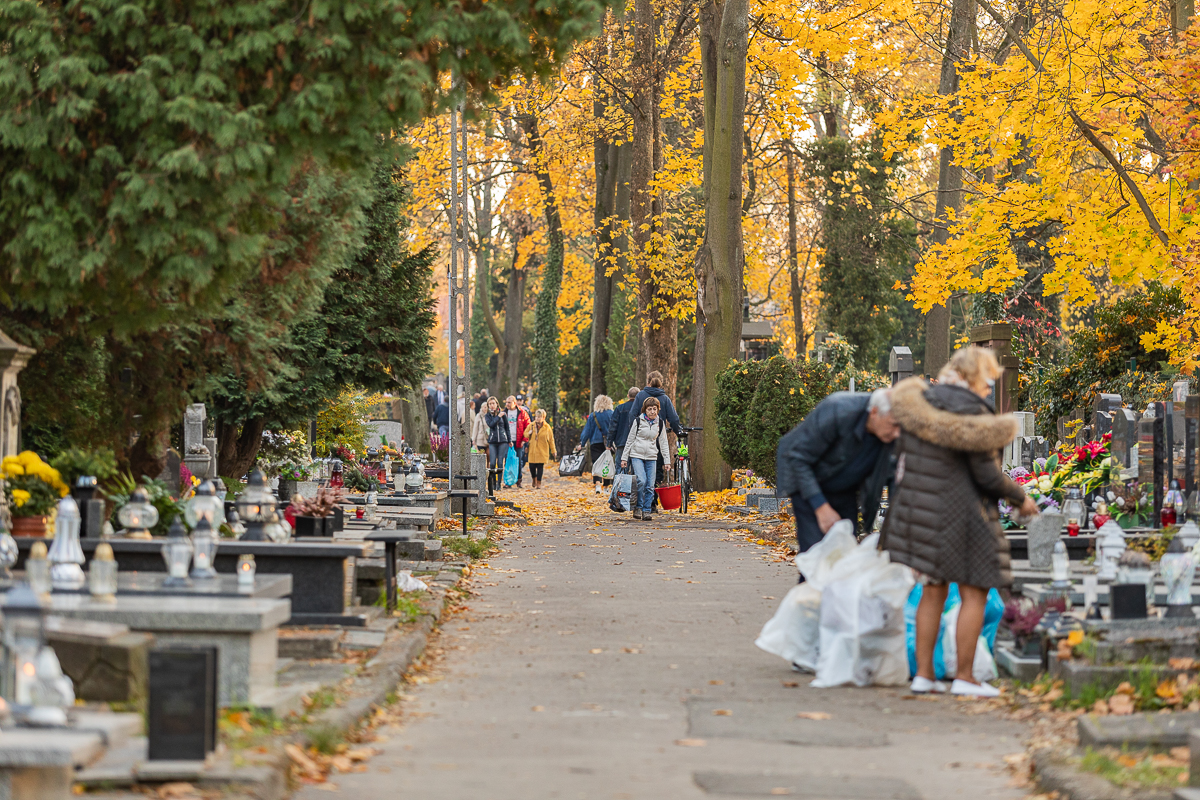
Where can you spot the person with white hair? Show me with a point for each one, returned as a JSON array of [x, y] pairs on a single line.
[[593, 433], [835, 464]]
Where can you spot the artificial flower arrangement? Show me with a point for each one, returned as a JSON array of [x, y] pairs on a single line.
[[32, 486], [291, 471], [1089, 468]]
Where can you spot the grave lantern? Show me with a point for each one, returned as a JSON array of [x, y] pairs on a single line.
[[138, 516], [1060, 568], [1174, 508], [37, 570], [1178, 568], [205, 505], [245, 572], [1189, 532], [65, 553], [8, 552], [1075, 511], [275, 530], [204, 546], [177, 552], [1111, 544], [236, 528], [102, 574], [24, 636], [414, 482], [336, 479], [254, 507]]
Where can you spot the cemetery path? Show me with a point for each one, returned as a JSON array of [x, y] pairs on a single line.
[[600, 657]]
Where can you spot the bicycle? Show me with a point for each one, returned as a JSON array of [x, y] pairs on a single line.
[[683, 468]]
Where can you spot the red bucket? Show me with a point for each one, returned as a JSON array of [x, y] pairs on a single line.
[[670, 497]]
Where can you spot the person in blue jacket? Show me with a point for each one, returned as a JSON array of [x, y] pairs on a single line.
[[654, 382], [594, 432], [622, 420]]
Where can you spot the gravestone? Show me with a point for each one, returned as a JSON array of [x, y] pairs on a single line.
[[1152, 458], [1103, 408], [1043, 531], [182, 714], [196, 453], [1124, 435], [1191, 444], [211, 444]]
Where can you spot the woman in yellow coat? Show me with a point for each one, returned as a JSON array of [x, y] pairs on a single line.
[[541, 446]]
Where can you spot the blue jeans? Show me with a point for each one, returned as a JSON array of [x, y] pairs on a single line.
[[643, 470], [443, 430]]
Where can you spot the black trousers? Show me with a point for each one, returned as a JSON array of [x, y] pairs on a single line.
[[536, 470], [597, 450], [808, 532]]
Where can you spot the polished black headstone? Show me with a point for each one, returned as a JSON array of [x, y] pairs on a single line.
[[181, 718], [1152, 458], [1128, 600]]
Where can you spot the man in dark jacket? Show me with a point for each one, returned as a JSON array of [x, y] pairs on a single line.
[[839, 453], [618, 426], [430, 404], [654, 382], [441, 418]]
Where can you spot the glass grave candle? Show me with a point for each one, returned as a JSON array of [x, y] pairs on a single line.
[[102, 574], [138, 516], [37, 570], [245, 572], [1075, 511], [177, 553]]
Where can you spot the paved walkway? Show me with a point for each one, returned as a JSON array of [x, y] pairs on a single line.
[[616, 660]]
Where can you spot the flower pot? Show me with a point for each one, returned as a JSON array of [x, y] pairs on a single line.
[[29, 526], [287, 488], [313, 526]]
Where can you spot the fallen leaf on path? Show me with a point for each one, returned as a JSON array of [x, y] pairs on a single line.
[[362, 753], [596, 651], [722, 712], [790, 684], [170, 791], [817, 715], [1120, 704], [630, 650], [716, 683], [538, 708], [1181, 663], [303, 762], [690, 742]]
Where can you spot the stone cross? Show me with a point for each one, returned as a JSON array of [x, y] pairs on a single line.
[[193, 426]]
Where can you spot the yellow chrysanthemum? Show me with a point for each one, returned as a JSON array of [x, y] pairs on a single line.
[[13, 470], [20, 497], [29, 458]]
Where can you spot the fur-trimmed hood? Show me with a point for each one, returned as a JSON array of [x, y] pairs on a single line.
[[974, 433]]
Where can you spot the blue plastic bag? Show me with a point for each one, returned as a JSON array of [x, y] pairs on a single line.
[[992, 613], [512, 467]]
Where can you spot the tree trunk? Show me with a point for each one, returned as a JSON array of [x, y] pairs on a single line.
[[794, 258], [237, 446], [509, 363], [641, 212], [415, 420], [950, 184], [606, 156], [545, 330], [724, 31], [483, 282], [148, 455], [661, 328]]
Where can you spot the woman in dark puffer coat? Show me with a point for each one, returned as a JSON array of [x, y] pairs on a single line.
[[944, 520]]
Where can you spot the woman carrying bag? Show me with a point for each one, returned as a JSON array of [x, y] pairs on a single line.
[[647, 441], [498, 442], [944, 519], [593, 435], [541, 446]]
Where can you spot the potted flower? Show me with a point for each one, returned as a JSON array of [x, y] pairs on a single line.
[[295, 478], [33, 489], [313, 516]]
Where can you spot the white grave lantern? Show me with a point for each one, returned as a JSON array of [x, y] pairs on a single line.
[[1111, 540]]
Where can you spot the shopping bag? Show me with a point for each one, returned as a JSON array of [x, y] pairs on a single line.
[[512, 467], [621, 497], [794, 633], [603, 466], [816, 564], [862, 620], [945, 652], [570, 465]]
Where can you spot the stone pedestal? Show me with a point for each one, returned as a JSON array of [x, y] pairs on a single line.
[[245, 632], [13, 358], [1043, 531], [40, 764]]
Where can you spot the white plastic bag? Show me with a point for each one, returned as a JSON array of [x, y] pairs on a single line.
[[603, 466], [984, 668], [405, 582], [862, 620], [794, 632], [817, 563]]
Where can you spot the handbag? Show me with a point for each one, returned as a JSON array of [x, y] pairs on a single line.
[[571, 465]]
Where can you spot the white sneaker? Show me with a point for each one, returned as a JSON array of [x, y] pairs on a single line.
[[974, 689], [598, 489], [925, 686]]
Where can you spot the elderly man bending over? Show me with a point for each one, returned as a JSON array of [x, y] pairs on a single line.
[[837, 459]]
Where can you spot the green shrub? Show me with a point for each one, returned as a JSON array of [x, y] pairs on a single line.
[[780, 401], [735, 389]]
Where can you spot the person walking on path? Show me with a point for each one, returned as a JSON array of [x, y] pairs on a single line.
[[430, 404], [541, 447], [666, 412], [944, 521], [499, 440], [593, 434], [441, 419], [647, 441], [838, 459], [622, 418], [518, 420], [479, 432]]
